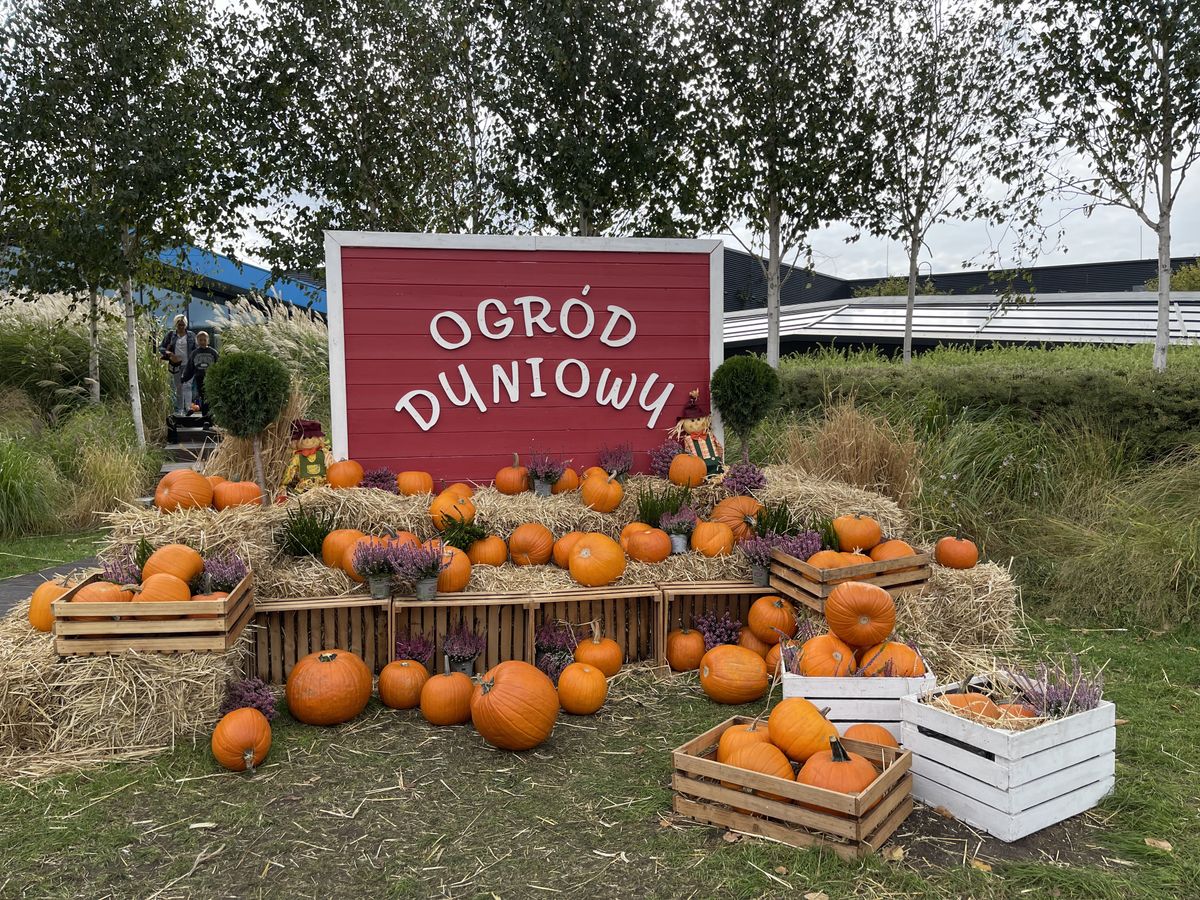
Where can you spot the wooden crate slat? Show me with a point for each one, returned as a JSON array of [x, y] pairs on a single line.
[[893, 821], [727, 818], [787, 812], [809, 585], [291, 631]]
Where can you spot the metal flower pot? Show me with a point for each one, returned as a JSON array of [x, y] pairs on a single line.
[[466, 666], [426, 588], [381, 586], [541, 488], [679, 543], [760, 576]]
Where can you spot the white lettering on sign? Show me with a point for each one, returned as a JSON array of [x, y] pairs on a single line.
[[564, 321], [585, 378], [531, 319], [405, 404], [457, 320], [617, 315], [469, 390], [505, 323], [510, 380], [535, 368], [610, 398]]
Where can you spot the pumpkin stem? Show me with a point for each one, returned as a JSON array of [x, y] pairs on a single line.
[[486, 686], [595, 630], [328, 656], [838, 751], [248, 759]]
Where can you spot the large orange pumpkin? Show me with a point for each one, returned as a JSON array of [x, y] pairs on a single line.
[[731, 674], [236, 493], [457, 572], [328, 687], [870, 733], [837, 769], [412, 482], [488, 551], [603, 653], [860, 614], [739, 513], [650, 546], [594, 472], [568, 481], [798, 728], [826, 656], [712, 539], [400, 683], [183, 489], [582, 689], [447, 507], [100, 592], [735, 737], [513, 479], [163, 588], [771, 618], [563, 547], [179, 560], [891, 658], [344, 474], [460, 489], [763, 758], [857, 533], [514, 706], [602, 494], [747, 639], [446, 699], [685, 649], [214, 480], [956, 553], [893, 549], [333, 548], [596, 560], [241, 739], [687, 470], [531, 544], [41, 616]]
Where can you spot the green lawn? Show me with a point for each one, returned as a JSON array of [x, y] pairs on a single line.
[[390, 806], [29, 554]]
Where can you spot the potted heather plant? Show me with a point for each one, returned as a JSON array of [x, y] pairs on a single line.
[[374, 563], [758, 552], [420, 567], [555, 648], [617, 461], [462, 647], [417, 647], [722, 629], [679, 526], [545, 471]]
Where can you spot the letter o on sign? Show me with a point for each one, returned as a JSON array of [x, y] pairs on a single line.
[[435, 331]]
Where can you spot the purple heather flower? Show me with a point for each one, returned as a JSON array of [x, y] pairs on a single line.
[[463, 644], [717, 630], [253, 693], [1054, 692], [743, 478], [224, 571], [552, 662], [555, 637], [802, 545], [417, 647], [413, 563], [382, 479], [543, 467], [681, 522], [373, 560], [661, 456], [617, 459], [122, 569]]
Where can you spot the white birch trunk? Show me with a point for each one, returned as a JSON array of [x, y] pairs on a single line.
[[131, 358], [914, 248], [94, 343], [1162, 336], [773, 254]]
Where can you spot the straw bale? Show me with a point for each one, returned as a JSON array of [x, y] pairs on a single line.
[[510, 579], [233, 458], [813, 498]]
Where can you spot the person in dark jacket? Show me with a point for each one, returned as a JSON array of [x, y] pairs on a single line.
[[177, 348], [197, 365]]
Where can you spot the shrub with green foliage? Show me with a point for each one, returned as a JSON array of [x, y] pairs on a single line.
[[246, 392], [31, 490], [744, 390]]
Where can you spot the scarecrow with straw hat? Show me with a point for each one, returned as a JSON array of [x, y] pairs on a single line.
[[693, 430], [310, 458]]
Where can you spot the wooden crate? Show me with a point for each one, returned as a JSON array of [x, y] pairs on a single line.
[[809, 585], [506, 620], [854, 700], [686, 600], [288, 630], [151, 627], [1009, 783], [629, 615], [862, 823]]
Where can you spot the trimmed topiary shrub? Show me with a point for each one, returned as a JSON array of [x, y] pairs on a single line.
[[246, 392], [744, 390]]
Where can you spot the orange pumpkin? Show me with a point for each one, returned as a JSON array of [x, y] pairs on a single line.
[[456, 574], [241, 739], [860, 614], [100, 592], [183, 489], [179, 560], [596, 560], [344, 474], [214, 480], [826, 656], [1016, 710], [582, 689], [629, 530], [531, 544], [333, 548], [685, 649], [772, 659], [771, 618], [893, 549], [163, 588], [731, 674], [446, 699], [215, 595], [514, 706], [513, 479], [870, 733], [735, 737], [488, 551], [891, 658], [650, 546], [827, 559], [563, 547], [747, 639], [568, 481], [602, 494], [837, 769], [236, 493], [41, 617], [412, 482], [594, 471], [973, 703], [712, 539], [448, 507], [857, 532], [328, 687], [687, 470], [764, 758], [956, 552], [739, 513], [798, 728], [460, 489], [400, 683], [603, 653]]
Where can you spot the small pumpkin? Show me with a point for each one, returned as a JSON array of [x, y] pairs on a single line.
[[344, 474], [214, 480], [241, 739], [891, 658], [602, 494], [413, 482], [456, 571], [163, 588], [650, 546], [460, 489], [514, 706], [531, 544], [629, 530], [236, 493], [333, 548], [857, 533], [601, 652], [798, 728], [893, 549], [685, 649], [488, 551], [764, 758], [687, 470], [446, 699], [735, 737], [100, 592], [179, 560], [748, 639], [971, 702], [563, 547], [837, 769], [732, 674], [596, 560], [740, 513], [447, 506], [770, 618], [861, 614], [400, 683], [956, 552], [712, 539], [1016, 711], [568, 481], [870, 733], [328, 687], [41, 616], [513, 479], [826, 656], [826, 559], [582, 689], [774, 655], [593, 472], [215, 595], [183, 489]]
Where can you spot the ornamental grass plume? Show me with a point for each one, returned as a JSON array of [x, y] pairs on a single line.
[[462, 644], [417, 647], [382, 479], [250, 692]]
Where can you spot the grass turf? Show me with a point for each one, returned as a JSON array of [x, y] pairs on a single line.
[[390, 806], [29, 554]]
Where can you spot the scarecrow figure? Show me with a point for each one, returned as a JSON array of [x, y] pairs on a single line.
[[693, 430], [310, 458]]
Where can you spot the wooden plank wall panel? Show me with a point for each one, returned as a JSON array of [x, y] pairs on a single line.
[[284, 636]]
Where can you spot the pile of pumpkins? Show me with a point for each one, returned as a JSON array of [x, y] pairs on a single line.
[[513, 706], [861, 618], [188, 489], [860, 540], [166, 577]]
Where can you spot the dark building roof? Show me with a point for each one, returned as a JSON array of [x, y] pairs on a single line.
[[746, 288]]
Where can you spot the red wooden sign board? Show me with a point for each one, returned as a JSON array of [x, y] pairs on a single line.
[[448, 353]]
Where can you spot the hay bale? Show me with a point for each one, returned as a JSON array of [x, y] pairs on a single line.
[[510, 579], [292, 578], [233, 457], [62, 713], [814, 498]]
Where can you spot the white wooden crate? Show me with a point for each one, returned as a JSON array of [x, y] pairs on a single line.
[[1009, 783], [853, 700]]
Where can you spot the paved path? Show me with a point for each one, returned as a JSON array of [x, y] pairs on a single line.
[[15, 589]]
